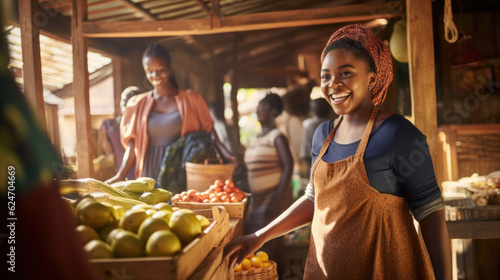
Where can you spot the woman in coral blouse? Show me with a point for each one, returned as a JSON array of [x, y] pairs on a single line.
[[155, 119]]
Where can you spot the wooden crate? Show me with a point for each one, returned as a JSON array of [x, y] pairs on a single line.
[[179, 267], [467, 149], [235, 210]]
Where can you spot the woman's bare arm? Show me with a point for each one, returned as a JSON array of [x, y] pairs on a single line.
[[437, 240], [127, 163], [225, 153]]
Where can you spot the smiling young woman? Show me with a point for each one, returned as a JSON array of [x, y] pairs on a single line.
[[154, 120], [364, 178]]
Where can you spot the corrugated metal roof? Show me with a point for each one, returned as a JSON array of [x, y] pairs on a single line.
[[56, 58], [270, 48]]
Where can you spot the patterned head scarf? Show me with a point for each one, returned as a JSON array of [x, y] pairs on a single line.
[[377, 50]]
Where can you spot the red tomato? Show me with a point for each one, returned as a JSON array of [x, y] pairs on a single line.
[[228, 189], [206, 200], [240, 196], [219, 183], [183, 193], [225, 198], [218, 189], [235, 199], [230, 183], [214, 200], [186, 198], [191, 193]]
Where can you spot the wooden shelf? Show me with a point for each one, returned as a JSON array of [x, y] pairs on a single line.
[[474, 229]]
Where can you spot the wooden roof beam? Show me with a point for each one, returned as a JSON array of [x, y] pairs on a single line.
[[260, 21], [271, 71], [106, 10], [215, 15], [139, 9], [202, 5]]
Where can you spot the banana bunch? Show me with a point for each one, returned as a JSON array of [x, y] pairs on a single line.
[[142, 189]]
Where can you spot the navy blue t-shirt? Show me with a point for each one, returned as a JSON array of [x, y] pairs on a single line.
[[397, 160]]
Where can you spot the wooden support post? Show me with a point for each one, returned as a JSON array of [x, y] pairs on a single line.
[[117, 84], [32, 64], [52, 118], [84, 140], [422, 78], [234, 93]]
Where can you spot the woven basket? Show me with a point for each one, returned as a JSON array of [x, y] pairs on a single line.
[[466, 209], [263, 273], [199, 177]]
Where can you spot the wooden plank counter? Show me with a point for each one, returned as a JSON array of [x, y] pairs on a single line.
[[474, 229], [469, 239], [214, 267]]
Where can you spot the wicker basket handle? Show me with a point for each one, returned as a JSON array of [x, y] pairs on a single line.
[[216, 160]]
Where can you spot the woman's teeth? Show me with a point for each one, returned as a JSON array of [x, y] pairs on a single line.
[[339, 97]]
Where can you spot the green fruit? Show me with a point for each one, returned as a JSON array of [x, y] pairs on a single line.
[[185, 225], [104, 232], [98, 249], [127, 245], [163, 243], [203, 221], [163, 214], [86, 233], [133, 219], [163, 206], [83, 201], [150, 226], [111, 236], [94, 214]]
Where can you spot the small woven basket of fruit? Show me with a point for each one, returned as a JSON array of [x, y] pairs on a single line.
[[257, 267]]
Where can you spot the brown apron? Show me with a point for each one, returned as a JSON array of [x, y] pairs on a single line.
[[357, 232]]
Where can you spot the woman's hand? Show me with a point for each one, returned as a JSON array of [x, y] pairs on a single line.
[[223, 151], [241, 247]]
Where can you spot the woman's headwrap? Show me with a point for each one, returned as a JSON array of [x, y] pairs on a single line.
[[377, 50]]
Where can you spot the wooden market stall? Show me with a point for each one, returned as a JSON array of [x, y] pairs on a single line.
[[226, 36]]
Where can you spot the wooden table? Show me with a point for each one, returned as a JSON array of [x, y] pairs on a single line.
[[474, 229], [465, 234], [214, 267]]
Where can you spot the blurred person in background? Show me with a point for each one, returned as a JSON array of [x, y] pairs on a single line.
[[108, 141], [321, 112], [217, 112], [270, 167]]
